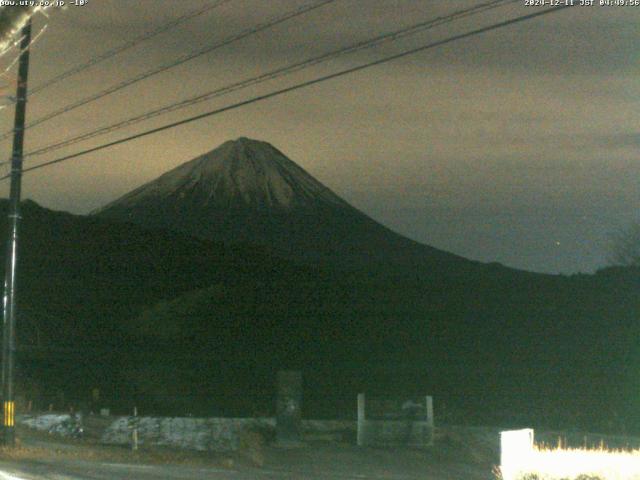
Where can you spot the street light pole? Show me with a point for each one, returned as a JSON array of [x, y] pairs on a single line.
[[9, 300]]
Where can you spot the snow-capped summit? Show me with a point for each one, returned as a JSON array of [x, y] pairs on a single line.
[[244, 173], [248, 191]]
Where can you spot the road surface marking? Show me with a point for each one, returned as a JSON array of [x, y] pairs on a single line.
[[8, 476]]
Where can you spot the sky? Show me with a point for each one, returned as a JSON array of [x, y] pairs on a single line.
[[517, 146]]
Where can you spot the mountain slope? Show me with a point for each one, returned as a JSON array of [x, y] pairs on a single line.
[[81, 279], [248, 191], [245, 174], [85, 274], [152, 316], [413, 319]]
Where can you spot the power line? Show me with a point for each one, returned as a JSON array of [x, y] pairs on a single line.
[[287, 70], [299, 86], [127, 45], [179, 61]]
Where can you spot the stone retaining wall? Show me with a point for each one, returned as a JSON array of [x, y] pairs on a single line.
[[204, 434]]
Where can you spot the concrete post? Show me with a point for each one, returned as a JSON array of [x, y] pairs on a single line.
[[289, 408], [361, 419], [134, 435]]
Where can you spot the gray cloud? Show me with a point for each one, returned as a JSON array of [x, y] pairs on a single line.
[[491, 147], [618, 140]]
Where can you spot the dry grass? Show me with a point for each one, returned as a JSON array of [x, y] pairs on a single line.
[[545, 463]]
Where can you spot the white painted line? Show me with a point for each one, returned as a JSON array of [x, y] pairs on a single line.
[[8, 476], [127, 465], [276, 472], [133, 466]]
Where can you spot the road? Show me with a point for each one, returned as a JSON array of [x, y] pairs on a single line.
[[458, 455], [104, 471], [322, 463]]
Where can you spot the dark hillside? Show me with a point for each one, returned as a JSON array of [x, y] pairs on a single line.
[[174, 324]]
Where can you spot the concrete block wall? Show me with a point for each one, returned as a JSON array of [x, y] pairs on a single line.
[[203, 434]]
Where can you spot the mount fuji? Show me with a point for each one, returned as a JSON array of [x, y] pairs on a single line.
[[247, 191]]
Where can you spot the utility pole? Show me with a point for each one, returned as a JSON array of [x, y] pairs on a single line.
[[9, 300]]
